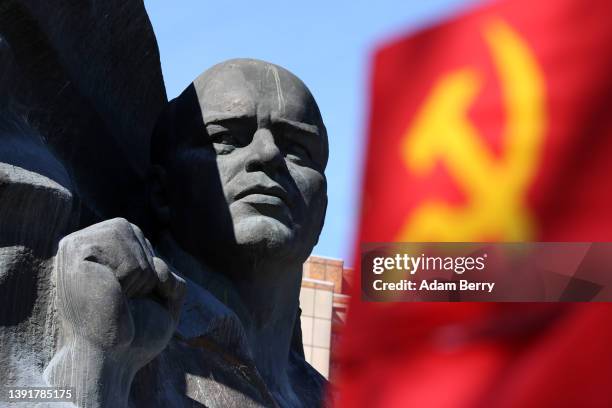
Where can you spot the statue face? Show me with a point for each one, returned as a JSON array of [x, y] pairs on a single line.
[[261, 152]]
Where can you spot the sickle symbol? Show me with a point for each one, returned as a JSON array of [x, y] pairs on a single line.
[[442, 132]]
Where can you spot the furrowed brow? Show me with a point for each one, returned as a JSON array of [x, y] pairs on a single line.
[[304, 127], [220, 117]]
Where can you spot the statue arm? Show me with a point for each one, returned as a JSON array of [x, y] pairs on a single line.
[[118, 305], [98, 379]]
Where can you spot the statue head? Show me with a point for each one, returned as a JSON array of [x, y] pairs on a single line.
[[240, 158]]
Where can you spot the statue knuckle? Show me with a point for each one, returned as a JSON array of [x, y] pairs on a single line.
[[161, 267], [118, 223], [137, 231]]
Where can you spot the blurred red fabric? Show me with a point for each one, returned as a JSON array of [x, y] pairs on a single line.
[[486, 354], [478, 355]]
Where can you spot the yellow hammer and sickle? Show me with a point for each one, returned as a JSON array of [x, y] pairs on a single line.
[[442, 132]]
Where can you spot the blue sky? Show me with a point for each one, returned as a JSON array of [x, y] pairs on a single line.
[[328, 44]]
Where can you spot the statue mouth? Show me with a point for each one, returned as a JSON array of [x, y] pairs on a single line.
[[268, 205], [273, 195], [267, 200]]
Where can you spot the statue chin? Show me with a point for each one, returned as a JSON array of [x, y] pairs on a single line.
[[265, 235]]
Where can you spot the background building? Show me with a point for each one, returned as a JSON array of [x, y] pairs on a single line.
[[324, 301]]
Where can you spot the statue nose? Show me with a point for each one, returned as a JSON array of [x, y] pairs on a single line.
[[264, 153]]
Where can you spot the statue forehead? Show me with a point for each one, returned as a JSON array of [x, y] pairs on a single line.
[[249, 87]]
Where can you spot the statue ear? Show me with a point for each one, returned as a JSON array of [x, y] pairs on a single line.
[[159, 195]]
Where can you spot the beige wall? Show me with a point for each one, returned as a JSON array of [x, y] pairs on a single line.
[[316, 300], [323, 308]]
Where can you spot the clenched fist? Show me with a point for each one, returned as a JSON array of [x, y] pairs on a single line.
[[118, 304]]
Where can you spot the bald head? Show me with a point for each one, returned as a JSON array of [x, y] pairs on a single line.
[[244, 88], [257, 126]]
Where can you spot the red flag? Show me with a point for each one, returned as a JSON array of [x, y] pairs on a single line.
[[492, 126]]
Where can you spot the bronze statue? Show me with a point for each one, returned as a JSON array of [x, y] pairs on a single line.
[[232, 200]]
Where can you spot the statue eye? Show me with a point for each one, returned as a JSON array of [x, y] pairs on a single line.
[[222, 139], [297, 152], [220, 134]]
